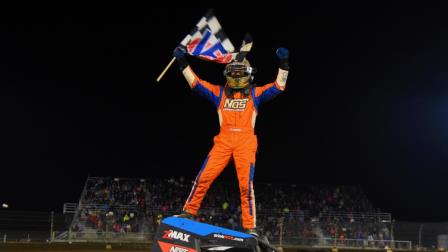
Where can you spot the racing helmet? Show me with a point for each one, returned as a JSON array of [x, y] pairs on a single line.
[[238, 74]]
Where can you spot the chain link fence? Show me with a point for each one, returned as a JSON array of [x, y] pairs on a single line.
[[27, 227]]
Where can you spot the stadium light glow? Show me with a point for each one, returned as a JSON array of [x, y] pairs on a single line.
[[4, 205]]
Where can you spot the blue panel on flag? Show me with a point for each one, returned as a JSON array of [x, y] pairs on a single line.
[[201, 229]]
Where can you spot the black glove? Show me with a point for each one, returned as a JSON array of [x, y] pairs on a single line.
[[179, 53], [283, 57]]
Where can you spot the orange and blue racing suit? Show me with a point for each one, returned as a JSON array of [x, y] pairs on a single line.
[[237, 114]]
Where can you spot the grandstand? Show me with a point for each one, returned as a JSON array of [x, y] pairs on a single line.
[[129, 210]]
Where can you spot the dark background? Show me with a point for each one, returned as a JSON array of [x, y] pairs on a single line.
[[365, 104]]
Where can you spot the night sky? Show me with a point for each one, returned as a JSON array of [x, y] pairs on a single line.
[[366, 101]]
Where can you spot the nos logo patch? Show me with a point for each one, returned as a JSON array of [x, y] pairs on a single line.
[[235, 104]]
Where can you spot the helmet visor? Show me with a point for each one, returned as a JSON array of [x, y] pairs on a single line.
[[237, 70], [237, 75], [238, 83]]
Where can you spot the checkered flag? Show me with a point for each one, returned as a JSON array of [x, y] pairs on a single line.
[[208, 41]]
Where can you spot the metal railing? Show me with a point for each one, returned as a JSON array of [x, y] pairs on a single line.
[[100, 236], [345, 243], [69, 208], [140, 237], [36, 226]]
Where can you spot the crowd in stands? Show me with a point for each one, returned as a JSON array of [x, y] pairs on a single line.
[[112, 205], [303, 211]]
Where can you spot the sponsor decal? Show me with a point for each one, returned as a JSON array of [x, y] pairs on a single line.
[[172, 234], [228, 237], [168, 247], [235, 104]]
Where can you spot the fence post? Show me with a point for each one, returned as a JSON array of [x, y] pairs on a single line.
[[51, 226], [281, 232], [4, 238], [420, 236], [392, 229]]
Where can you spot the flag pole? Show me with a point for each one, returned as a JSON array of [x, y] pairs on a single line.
[[166, 69], [184, 42]]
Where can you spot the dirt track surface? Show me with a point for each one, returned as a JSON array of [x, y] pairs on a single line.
[[102, 247], [64, 247]]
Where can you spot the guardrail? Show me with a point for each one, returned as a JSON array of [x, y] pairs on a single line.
[[113, 237]]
